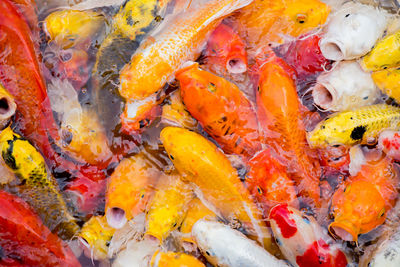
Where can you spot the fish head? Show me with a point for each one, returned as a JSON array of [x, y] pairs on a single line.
[[84, 138], [139, 114], [334, 131], [269, 183], [226, 49], [358, 207], [304, 15], [95, 236]]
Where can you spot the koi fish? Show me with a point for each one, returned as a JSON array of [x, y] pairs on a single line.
[[352, 31], [95, 236], [389, 142], [269, 183], [302, 241], [388, 82], [25, 80], [25, 238], [221, 108], [361, 125], [129, 189], [155, 64], [278, 110], [37, 186], [174, 259], [213, 237], [81, 134], [345, 87], [304, 55], [175, 113], [168, 207], [214, 179], [69, 28], [226, 51], [361, 203], [384, 55], [196, 211], [7, 107], [283, 17], [114, 53]]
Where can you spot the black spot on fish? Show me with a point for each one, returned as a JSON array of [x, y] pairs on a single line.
[[171, 157], [358, 132], [8, 156], [347, 15]]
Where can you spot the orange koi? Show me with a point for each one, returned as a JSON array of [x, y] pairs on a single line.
[[362, 202], [129, 189], [222, 109], [178, 40], [226, 51], [278, 109], [269, 182], [282, 17]]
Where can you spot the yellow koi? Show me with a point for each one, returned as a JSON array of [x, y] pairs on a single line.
[[209, 170], [389, 82], [168, 207]]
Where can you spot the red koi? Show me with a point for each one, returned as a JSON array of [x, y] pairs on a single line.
[[226, 51], [25, 241]]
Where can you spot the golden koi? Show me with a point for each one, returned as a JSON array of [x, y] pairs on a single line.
[[214, 178], [168, 207]]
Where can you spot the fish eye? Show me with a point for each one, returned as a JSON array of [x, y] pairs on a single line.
[[382, 213], [301, 18], [259, 190]]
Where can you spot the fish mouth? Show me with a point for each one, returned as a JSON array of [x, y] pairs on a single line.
[[344, 230], [236, 66], [332, 49], [116, 217], [323, 96]]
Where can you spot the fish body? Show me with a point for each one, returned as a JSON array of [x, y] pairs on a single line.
[[69, 28], [389, 142], [129, 189], [25, 238], [226, 51], [388, 81], [278, 109], [282, 17], [361, 125], [362, 202], [168, 207], [213, 237], [269, 182], [196, 211], [95, 236], [345, 87], [38, 187], [175, 113], [34, 116], [301, 239], [352, 31], [214, 179], [174, 259], [304, 56], [178, 41], [384, 55], [222, 109]]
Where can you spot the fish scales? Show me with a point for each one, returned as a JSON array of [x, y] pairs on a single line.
[[360, 125]]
